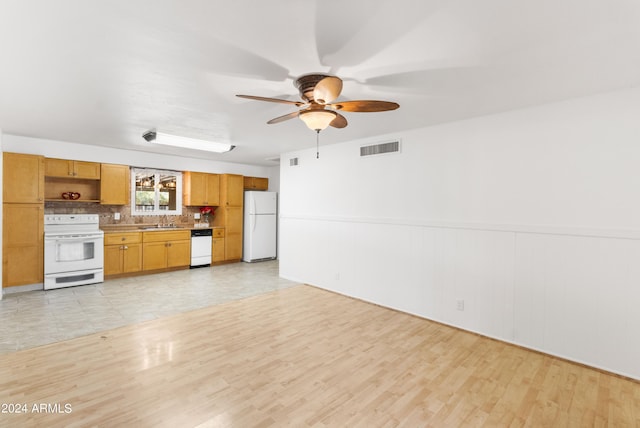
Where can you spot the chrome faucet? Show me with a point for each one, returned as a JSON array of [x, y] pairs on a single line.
[[164, 222]]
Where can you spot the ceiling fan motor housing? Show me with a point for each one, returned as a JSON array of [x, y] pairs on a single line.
[[306, 84]]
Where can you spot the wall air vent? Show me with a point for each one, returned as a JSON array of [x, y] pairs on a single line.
[[379, 149], [293, 162]]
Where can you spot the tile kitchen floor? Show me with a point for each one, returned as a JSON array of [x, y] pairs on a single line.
[[36, 318]]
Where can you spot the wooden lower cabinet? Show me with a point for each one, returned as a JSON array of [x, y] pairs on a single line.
[[122, 253], [154, 255], [22, 244], [179, 253], [162, 250], [233, 233], [217, 245]]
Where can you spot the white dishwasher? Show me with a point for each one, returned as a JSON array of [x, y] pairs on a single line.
[[201, 247]]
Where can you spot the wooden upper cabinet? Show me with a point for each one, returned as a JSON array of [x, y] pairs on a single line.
[[72, 168], [232, 190], [23, 178], [256, 183], [200, 189], [114, 184]]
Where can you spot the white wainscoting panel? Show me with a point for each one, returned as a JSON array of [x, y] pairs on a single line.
[[570, 296]]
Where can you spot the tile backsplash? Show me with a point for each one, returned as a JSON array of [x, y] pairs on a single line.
[[107, 212]]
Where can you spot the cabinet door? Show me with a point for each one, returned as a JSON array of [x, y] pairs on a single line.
[[194, 188], [256, 183], [234, 221], [217, 250], [22, 244], [131, 258], [112, 259], [248, 183], [178, 253], [89, 170], [154, 255], [235, 195], [233, 233], [213, 190], [232, 190], [233, 247], [114, 184], [201, 189], [22, 266], [58, 167], [260, 183], [23, 178]]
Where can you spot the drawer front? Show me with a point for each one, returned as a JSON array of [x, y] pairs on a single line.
[[218, 233], [120, 238], [160, 236]]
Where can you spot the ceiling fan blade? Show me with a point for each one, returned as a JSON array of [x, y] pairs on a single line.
[[339, 122], [365, 106], [271, 100], [327, 90], [283, 118], [361, 30]]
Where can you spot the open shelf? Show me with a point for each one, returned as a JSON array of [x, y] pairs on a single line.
[[71, 200], [54, 188]]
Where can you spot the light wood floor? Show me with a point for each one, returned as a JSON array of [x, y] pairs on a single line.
[[304, 357]]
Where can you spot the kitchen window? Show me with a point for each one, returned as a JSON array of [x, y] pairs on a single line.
[[156, 192]]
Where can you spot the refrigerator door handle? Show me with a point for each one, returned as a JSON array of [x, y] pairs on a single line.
[[254, 222]]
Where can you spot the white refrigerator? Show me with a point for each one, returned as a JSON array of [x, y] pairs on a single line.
[[260, 213]]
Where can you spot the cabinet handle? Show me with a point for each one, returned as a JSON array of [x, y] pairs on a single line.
[[124, 247], [124, 239]]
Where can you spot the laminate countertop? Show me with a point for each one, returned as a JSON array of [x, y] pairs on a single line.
[[124, 228]]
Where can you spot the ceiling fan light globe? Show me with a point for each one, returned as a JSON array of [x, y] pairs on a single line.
[[317, 120]]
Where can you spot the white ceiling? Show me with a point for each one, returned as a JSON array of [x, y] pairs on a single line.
[[104, 72]]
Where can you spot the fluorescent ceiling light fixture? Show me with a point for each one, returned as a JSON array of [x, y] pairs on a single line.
[[186, 142]]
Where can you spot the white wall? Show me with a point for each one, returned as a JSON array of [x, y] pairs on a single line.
[[1, 213], [531, 217], [66, 150]]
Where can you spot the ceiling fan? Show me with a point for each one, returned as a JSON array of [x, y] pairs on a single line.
[[320, 92]]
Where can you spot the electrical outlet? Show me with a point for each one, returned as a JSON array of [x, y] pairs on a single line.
[[196, 216], [460, 305], [337, 277], [116, 216]]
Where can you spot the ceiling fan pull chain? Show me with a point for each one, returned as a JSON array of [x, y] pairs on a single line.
[[317, 144]]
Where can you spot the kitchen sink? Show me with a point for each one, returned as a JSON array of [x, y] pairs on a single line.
[[162, 227]]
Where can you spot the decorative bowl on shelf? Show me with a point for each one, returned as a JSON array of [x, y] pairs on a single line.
[[71, 195]]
